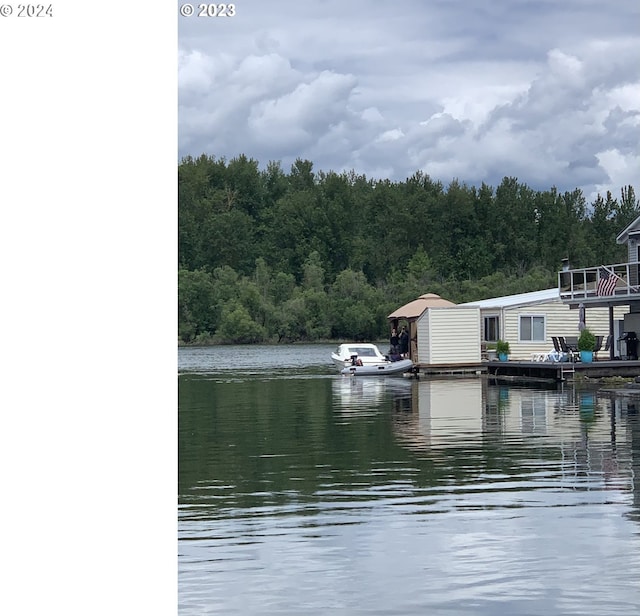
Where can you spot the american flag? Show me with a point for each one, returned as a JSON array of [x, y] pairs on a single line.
[[607, 282]]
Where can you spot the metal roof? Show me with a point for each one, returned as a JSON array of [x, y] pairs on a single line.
[[521, 299], [623, 236]]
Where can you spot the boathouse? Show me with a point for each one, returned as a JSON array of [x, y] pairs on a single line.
[[441, 333]]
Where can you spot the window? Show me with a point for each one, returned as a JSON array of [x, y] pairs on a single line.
[[362, 351], [532, 328], [491, 329]]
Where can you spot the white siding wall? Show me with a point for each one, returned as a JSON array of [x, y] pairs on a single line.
[[449, 336], [455, 335], [560, 321], [423, 338]]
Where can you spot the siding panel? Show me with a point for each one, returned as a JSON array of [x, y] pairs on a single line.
[[560, 321], [449, 336]]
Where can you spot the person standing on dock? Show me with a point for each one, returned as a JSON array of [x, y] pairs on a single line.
[[404, 342], [394, 341]]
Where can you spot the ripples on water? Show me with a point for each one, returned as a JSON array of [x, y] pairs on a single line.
[[302, 491]]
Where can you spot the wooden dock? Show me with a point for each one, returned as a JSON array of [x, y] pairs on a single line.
[[536, 370], [563, 371]]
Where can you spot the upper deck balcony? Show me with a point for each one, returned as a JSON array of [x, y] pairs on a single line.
[[605, 285]]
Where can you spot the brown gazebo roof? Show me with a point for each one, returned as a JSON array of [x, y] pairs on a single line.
[[414, 309]]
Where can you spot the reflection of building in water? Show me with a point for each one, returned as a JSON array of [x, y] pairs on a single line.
[[349, 391], [448, 410], [357, 395], [628, 409], [593, 440], [441, 412]]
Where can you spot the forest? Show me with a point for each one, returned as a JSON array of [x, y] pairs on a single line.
[[269, 256]]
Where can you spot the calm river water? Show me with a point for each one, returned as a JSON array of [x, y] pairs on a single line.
[[305, 492]]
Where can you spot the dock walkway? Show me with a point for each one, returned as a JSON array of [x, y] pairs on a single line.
[[536, 370], [562, 371]]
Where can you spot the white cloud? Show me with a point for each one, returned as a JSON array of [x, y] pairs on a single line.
[[195, 71], [371, 114], [626, 96], [620, 169], [390, 135], [565, 68], [304, 114]]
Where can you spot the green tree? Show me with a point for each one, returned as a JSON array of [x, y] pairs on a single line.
[[355, 307], [292, 232], [601, 230], [229, 239], [196, 298], [237, 326], [283, 287], [309, 255], [313, 278], [244, 185], [302, 176], [274, 182]]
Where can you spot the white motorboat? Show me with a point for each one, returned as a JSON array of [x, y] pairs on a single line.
[[367, 360], [366, 353]]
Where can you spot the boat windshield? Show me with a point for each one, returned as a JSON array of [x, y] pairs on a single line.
[[363, 351]]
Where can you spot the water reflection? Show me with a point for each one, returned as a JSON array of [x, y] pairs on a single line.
[[304, 491], [444, 411], [441, 412], [583, 428], [363, 396], [625, 411]]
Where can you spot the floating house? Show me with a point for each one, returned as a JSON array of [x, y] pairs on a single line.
[[445, 335], [605, 298], [528, 321], [608, 286]]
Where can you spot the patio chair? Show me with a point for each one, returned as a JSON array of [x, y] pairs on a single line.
[[598, 347], [558, 349], [572, 342], [607, 346], [570, 351]]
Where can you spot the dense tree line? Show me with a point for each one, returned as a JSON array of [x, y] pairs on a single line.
[[266, 255]]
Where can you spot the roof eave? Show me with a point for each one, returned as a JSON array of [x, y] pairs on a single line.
[[623, 236]]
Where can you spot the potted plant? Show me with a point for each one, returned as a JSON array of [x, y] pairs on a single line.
[[586, 344], [502, 349]]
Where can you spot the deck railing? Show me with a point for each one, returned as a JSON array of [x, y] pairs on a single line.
[[600, 283]]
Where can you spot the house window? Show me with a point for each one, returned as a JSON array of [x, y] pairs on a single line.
[[532, 328], [491, 329]]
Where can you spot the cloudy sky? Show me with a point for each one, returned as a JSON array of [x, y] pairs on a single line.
[[546, 91]]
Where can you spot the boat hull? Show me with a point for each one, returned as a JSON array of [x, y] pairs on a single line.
[[381, 369]]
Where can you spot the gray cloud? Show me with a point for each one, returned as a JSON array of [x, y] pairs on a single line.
[[547, 93]]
